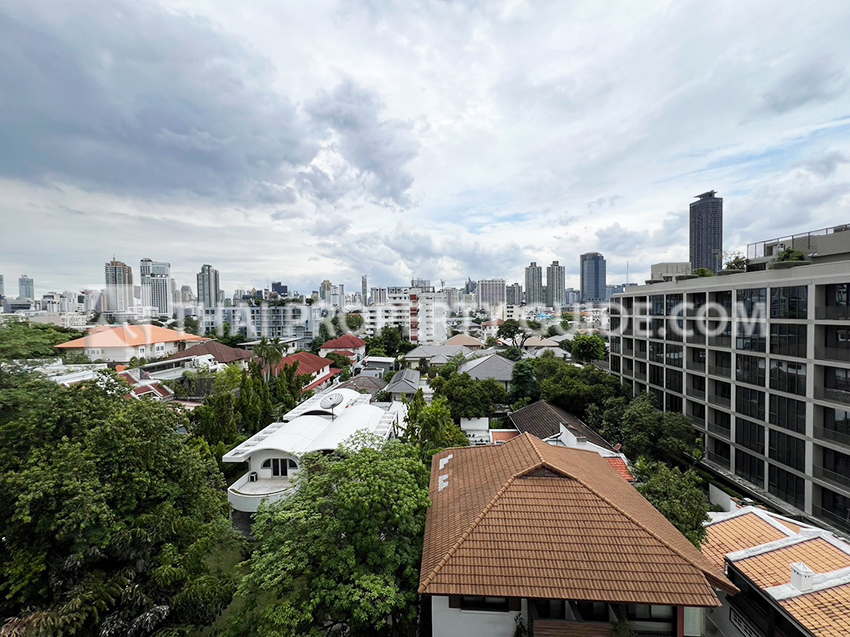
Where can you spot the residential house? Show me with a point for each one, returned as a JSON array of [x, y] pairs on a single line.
[[122, 343], [346, 345], [321, 424], [404, 384], [492, 366], [434, 355], [370, 385], [794, 578], [555, 539], [319, 369], [561, 428], [465, 340], [491, 328]]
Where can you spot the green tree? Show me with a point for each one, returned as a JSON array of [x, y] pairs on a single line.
[[588, 347], [513, 330], [108, 516], [343, 552], [735, 260], [679, 496], [469, 398], [703, 272], [338, 360], [575, 388], [491, 342], [21, 340], [524, 382], [431, 427], [512, 354], [648, 432]]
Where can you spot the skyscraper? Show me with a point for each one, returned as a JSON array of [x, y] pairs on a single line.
[[513, 294], [364, 290], [26, 287], [156, 285], [325, 291], [119, 286], [556, 288], [534, 285], [707, 232], [593, 278], [2, 286], [209, 290], [491, 296]]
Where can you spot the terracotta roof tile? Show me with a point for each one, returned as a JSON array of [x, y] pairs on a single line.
[[825, 613], [736, 534], [526, 519], [307, 363], [622, 468], [221, 352], [346, 341], [128, 336], [774, 568]]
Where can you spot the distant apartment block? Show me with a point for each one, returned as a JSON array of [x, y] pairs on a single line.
[[556, 288], [156, 285], [2, 286], [768, 388], [491, 296], [513, 294], [119, 286], [669, 270], [706, 226], [593, 277], [209, 288], [534, 285], [26, 287]]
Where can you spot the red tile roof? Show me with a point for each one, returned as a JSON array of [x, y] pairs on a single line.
[[527, 519], [321, 381], [221, 352], [128, 336], [622, 468], [346, 341], [307, 363], [736, 534]]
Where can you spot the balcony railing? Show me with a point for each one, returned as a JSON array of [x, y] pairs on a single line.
[[720, 400], [693, 392], [627, 372], [834, 395], [837, 313], [841, 521], [833, 353], [721, 460], [832, 476], [697, 338], [720, 341], [640, 375], [696, 366], [640, 354], [698, 422], [830, 434], [716, 370], [719, 430]]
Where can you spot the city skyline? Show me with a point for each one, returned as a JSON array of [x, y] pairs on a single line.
[[360, 161]]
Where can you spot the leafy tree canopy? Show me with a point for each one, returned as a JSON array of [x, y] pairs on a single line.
[[343, 552], [108, 516], [588, 347], [524, 382], [646, 431], [703, 272], [469, 398], [431, 427], [21, 340]]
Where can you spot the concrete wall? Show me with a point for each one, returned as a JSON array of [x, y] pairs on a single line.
[[454, 622]]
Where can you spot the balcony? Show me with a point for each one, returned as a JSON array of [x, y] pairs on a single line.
[[640, 354], [720, 341], [640, 375], [697, 366], [247, 495], [832, 517], [720, 401], [720, 430], [693, 392], [832, 476], [833, 354], [627, 351], [697, 338], [716, 370], [837, 313], [723, 461], [698, 422], [833, 395], [627, 372], [823, 433]]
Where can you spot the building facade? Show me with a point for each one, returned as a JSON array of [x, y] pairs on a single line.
[[156, 285], [492, 296], [534, 285], [26, 287], [593, 278], [119, 286], [2, 286], [760, 363], [209, 289], [706, 225], [556, 289], [513, 294]]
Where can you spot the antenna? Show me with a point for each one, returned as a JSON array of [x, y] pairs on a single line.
[[331, 401]]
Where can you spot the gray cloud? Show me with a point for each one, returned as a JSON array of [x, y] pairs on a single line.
[[825, 165], [817, 81]]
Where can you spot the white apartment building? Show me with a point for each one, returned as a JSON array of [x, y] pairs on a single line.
[[492, 297], [769, 387], [285, 321], [156, 285]]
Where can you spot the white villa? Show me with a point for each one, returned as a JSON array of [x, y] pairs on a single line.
[[320, 424]]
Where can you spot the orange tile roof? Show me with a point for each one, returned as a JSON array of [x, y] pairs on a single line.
[[128, 336], [736, 534], [526, 519], [346, 341], [307, 363], [503, 435], [622, 468], [774, 568], [825, 613]]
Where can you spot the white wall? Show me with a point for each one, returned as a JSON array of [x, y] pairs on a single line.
[[453, 622]]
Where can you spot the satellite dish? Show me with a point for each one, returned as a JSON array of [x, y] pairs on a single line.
[[331, 401]]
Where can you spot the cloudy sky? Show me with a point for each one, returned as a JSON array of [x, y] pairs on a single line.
[[297, 141]]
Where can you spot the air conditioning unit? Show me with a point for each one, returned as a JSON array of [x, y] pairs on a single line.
[[253, 477]]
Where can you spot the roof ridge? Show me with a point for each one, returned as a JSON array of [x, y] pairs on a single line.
[[534, 446], [465, 535], [708, 574]]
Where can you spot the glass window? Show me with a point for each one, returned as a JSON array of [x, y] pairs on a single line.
[[790, 302], [752, 336], [656, 305], [675, 354], [749, 434], [674, 403], [722, 452], [674, 305], [674, 380], [656, 375], [788, 340], [787, 449], [788, 377], [788, 413], [750, 402], [752, 303], [836, 295], [837, 378], [723, 390], [750, 369], [836, 462], [787, 486], [749, 467], [656, 352], [836, 422]]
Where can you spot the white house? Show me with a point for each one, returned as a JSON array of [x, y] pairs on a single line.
[[122, 343], [320, 424]]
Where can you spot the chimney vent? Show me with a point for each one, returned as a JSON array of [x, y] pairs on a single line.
[[801, 577]]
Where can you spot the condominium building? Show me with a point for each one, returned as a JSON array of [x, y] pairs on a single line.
[[593, 277], [209, 289], [325, 290], [760, 363], [668, 270], [26, 288], [513, 294], [556, 289], [119, 286], [364, 290], [534, 285], [706, 226], [2, 286], [156, 285], [491, 296], [255, 322], [379, 296]]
